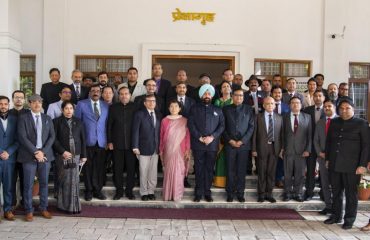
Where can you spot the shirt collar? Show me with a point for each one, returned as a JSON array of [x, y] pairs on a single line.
[[267, 113]]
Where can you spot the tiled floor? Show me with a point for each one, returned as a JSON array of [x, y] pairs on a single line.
[[98, 228]]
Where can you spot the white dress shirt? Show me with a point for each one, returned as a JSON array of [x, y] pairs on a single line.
[[292, 119]]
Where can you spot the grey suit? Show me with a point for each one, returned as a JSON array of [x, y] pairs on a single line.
[[319, 143], [267, 152], [286, 97], [294, 146]]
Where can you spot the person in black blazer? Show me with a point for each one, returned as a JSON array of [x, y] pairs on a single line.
[[181, 77], [347, 151], [70, 149], [119, 140], [206, 124], [227, 76], [36, 137], [316, 112], [79, 92], [239, 126], [151, 88], [185, 101], [164, 89], [145, 145]]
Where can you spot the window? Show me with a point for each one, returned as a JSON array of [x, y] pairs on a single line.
[[113, 65], [27, 74], [359, 83]]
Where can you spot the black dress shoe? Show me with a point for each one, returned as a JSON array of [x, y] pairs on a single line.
[[196, 199], [208, 198], [151, 197], [332, 221], [325, 211], [144, 198], [270, 199], [130, 196], [117, 196], [230, 198], [299, 199], [88, 196], [308, 197], [241, 199], [347, 226], [186, 183], [99, 196], [260, 199], [287, 198]]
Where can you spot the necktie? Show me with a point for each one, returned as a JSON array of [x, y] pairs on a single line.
[[255, 103], [38, 133], [96, 110], [276, 110], [291, 95], [270, 132], [152, 118], [78, 91], [181, 101], [295, 123], [327, 125]]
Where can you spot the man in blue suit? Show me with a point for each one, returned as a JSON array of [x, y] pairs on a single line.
[[145, 144], [93, 113], [36, 137], [206, 124], [8, 147]]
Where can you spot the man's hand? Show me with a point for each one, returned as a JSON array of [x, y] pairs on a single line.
[[67, 155], [305, 154], [4, 155], [281, 154], [136, 151], [254, 154], [322, 155], [360, 170], [83, 160], [239, 143], [327, 164], [39, 155], [207, 140], [368, 166], [110, 146]]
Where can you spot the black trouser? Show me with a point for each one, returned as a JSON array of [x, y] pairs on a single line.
[[249, 165], [122, 159], [346, 182], [310, 174], [94, 169], [236, 161], [204, 162], [18, 171], [267, 162]]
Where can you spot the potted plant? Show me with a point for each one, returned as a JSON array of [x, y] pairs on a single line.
[[364, 189], [36, 187]]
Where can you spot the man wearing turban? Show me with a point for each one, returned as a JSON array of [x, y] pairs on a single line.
[[206, 124]]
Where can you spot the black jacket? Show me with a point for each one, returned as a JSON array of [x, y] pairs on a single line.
[[119, 125], [84, 93], [50, 93], [61, 143]]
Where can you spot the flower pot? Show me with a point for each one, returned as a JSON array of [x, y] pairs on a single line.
[[35, 189], [363, 194]]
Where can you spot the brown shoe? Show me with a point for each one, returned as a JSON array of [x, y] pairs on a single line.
[[29, 217], [9, 216], [280, 184], [46, 214], [366, 228]]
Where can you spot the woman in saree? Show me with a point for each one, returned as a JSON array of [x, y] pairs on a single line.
[[174, 150], [219, 179]]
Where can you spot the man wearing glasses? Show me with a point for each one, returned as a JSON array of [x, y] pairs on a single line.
[[55, 109]]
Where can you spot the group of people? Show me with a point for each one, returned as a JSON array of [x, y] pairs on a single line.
[[221, 128]]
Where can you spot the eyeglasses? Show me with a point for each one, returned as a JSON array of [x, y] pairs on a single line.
[[18, 97], [67, 92], [238, 95]]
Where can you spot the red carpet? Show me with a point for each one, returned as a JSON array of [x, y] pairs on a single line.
[[174, 213]]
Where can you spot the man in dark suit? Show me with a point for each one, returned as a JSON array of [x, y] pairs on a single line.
[[8, 148], [185, 101], [319, 142], [277, 81], [181, 77], [253, 97], [267, 145], [206, 124], [151, 89], [316, 112], [239, 125], [319, 78], [50, 91], [291, 85], [282, 109], [297, 147], [119, 140], [347, 151], [228, 76], [18, 98], [79, 92], [36, 137], [164, 89], [93, 112], [145, 145]]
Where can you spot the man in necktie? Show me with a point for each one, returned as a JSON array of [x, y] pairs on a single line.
[[36, 137], [291, 85], [145, 145], [319, 142], [79, 92], [296, 148], [267, 145]]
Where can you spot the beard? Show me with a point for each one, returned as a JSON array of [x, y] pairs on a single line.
[[206, 101], [333, 96]]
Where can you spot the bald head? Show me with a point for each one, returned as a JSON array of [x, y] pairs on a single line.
[[269, 104]]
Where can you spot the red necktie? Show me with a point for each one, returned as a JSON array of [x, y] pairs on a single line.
[[295, 123], [327, 126]]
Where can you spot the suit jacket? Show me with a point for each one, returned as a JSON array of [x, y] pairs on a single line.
[[27, 137], [319, 138], [165, 89], [311, 111], [284, 108], [297, 143], [160, 104], [248, 99], [205, 120], [95, 129], [189, 90], [239, 124], [61, 143], [84, 93], [8, 138], [145, 136], [55, 109], [188, 104], [138, 91], [286, 97], [260, 134], [347, 145], [50, 93], [119, 125]]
